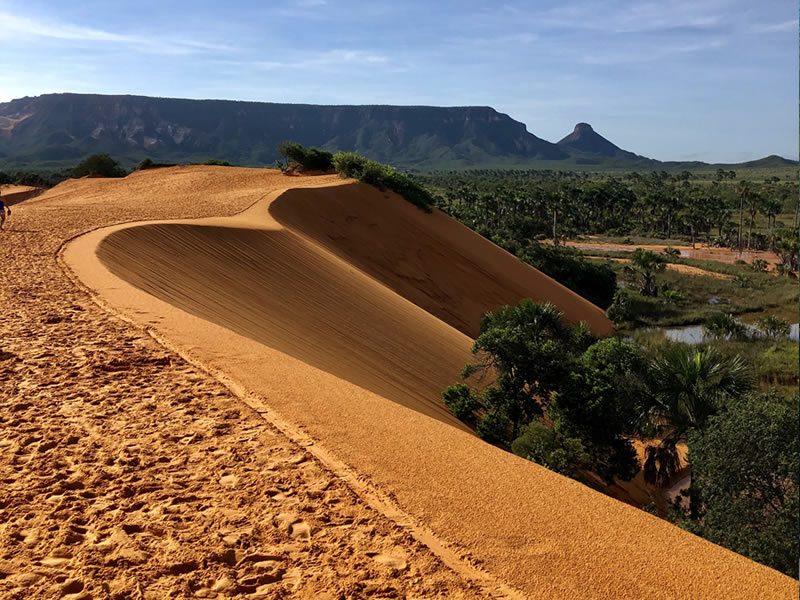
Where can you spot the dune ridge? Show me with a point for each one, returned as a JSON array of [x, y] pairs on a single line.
[[548, 536]]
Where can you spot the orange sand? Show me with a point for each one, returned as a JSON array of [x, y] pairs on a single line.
[[495, 520], [679, 268], [14, 194], [701, 252]]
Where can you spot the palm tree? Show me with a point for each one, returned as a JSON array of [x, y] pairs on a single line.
[[686, 387], [744, 194], [646, 264]]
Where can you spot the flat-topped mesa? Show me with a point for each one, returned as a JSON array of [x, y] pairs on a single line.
[[65, 127]]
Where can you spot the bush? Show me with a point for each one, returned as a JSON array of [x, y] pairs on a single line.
[[759, 265], [99, 164], [217, 163], [148, 163], [493, 428], [461, 401], [596, 282], [671, 296], [725, 326], [672, 253], [310, 159], [350, 164], [745, 468], [630, 308], [542, 445], [773, 327]]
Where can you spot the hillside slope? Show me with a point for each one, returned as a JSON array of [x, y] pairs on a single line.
[[63, 127]]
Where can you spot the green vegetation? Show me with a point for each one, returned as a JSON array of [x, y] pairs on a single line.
[[595, 282], [717, 208], [349, 164], [148, 163], [686, 386], [701, 297], [553, 394], [725, 326], [745, 466], [547, 371], [644, 265], [99, 164], [309, 159]]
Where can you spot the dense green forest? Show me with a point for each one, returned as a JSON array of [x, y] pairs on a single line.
[[724, 209], [519, 209]]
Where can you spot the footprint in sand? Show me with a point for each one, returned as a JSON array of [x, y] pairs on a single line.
[[387, 560], [300, 531]]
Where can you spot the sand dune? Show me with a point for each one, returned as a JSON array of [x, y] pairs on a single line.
[[283, 290], [432, 260], [276, 288], [14, 194], [241, 296]]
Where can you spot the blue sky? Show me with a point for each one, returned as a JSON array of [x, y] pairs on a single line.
[[713, 80]]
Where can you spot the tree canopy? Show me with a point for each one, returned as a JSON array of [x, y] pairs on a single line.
[[746, 470]]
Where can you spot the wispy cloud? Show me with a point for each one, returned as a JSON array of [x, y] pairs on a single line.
[[775, 27], [635, 17], [651, 54], [325, 60], [14, 26]]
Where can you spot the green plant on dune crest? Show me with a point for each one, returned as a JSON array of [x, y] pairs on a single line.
[[310, 159], [99, 164], [350, 164]]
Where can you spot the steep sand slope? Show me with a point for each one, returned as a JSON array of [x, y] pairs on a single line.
[[546, 535], [274, 287], [430, 259]]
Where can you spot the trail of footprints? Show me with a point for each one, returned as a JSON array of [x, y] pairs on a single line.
[[126, 474]]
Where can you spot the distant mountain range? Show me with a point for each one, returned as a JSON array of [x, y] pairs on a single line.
[[57, 130]]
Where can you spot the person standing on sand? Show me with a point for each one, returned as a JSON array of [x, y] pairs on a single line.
[[3, 209]]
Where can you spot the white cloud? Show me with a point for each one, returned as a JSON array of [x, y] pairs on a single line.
[[651, 54], [15, 27], [776, 27], [635, 17], [323, 60]]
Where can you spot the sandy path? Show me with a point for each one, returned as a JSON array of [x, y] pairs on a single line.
[[678, 268], [539, 532], [723, 255], [126, 472]]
